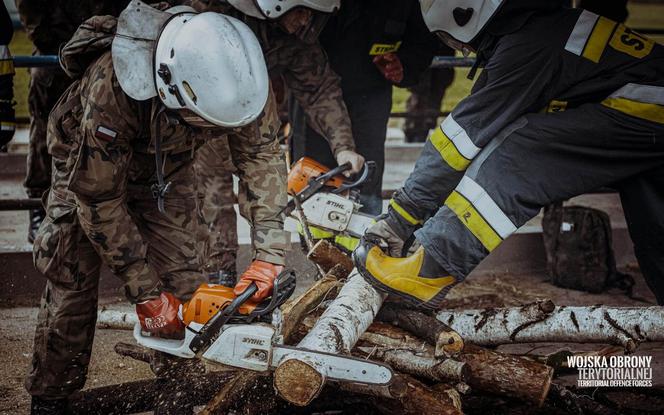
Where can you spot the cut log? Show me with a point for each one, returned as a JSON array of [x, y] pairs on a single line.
[[541, 322], [337, 331], [327, 256], [447, 342], [134, 351], [506, 375], [421, 399], [407, 361], [295, 310], [116, 320]]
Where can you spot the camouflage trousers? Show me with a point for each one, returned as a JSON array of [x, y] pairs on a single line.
[[423, 105], [218, 237], [46, 86], [65, 256]]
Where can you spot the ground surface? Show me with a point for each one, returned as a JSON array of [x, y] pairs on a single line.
[[485, 290]]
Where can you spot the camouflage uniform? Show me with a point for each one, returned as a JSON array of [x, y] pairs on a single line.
[[101, 208], [306, 72], [50, 24]]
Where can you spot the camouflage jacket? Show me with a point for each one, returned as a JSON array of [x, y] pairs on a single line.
[[103, 144], [306, 71], [49, 23]]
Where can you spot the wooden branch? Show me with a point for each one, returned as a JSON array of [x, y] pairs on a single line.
[[327, 256], [421, 399], [507, 375], [447, 342], [116, 320], [295, 310], [541, 322], [337, 331]]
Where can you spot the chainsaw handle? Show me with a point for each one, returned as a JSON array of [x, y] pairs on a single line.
[[367, 171]]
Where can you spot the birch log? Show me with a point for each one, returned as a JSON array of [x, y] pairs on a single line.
[[116, 320], [446, 341], [541, 322], [337, 331]]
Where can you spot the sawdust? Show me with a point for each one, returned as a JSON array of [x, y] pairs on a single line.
[[297, 381]]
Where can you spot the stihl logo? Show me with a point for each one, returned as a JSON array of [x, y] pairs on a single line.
[[335, 204], [251, 340], [155, 323]]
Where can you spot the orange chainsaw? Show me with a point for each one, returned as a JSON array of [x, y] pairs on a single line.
[[232, 330], [326, 199]]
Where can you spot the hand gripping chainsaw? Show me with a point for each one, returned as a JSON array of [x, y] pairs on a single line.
[[222, 328], [328, 202]]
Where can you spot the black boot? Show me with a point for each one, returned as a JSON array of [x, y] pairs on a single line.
[[36, 218], [41, 406]]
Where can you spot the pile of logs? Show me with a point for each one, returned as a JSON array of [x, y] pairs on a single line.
[[436, 358]]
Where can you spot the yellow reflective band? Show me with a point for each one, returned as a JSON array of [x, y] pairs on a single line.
[[448, 150], [630, 42], [384, 48], [6, 67], [348, 242], [316, 233], [650, 112], [598, 39], [556, 106], [401, 211], [7, 126], [475, 223]]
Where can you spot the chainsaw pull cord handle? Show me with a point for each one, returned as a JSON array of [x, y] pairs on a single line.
[[367, 171], [212, 328]]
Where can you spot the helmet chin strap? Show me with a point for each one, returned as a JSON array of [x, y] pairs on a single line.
[[160, 188]]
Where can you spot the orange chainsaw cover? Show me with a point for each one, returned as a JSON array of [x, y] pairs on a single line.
[[209, 298], [305, 169]]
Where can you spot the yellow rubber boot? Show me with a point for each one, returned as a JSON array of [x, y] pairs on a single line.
[[416, 278]]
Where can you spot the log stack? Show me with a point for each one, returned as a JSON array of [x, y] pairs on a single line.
[[436, 359]]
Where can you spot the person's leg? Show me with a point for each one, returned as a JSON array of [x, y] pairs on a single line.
[[369, 114], [68, 312], [643, 202], [540, 159], [219, 242], [172, 237], [46, 86]]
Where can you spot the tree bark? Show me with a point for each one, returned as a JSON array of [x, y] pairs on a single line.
[[447, 342], [506, 375], [116, 320], [542, 322], [336, 331], [327, 256]]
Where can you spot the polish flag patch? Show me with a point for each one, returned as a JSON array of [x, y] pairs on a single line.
[[105, 133]]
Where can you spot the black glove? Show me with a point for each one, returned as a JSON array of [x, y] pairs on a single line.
[[395, 231]]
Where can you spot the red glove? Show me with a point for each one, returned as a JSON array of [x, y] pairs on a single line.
[[263, 274], [390, 66], [160, 316]]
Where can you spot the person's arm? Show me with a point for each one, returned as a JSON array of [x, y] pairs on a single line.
[[317, 88], [99, 181], [516, 81], [262, 196]]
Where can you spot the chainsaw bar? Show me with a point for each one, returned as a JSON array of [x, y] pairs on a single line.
[[336, 367]]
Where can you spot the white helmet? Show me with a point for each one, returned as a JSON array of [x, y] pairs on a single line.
[[208, 66], [274, 9], [463, 20]]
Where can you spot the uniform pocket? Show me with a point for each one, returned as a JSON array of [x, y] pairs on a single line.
[[55, 252]]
